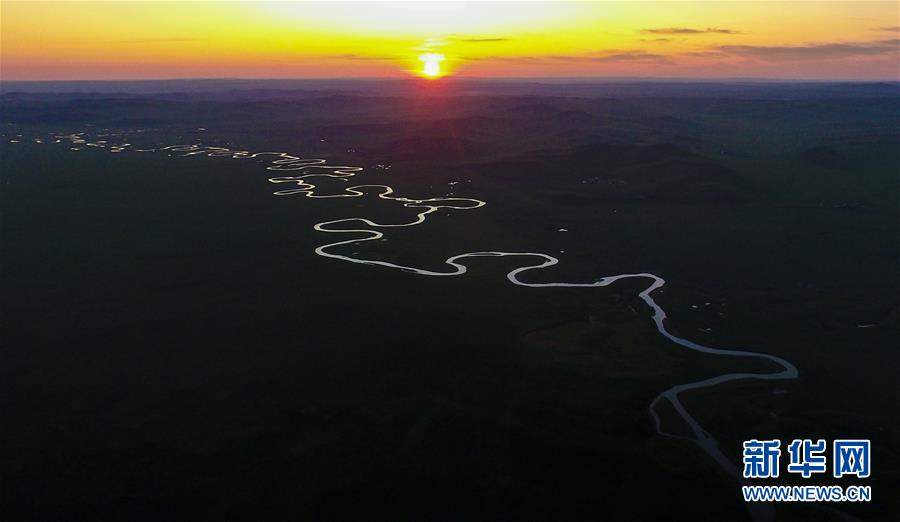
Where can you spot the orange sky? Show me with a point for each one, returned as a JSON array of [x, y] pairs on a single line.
[[176, 39]]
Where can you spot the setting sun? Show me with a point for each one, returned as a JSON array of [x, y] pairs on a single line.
[[432, 64]]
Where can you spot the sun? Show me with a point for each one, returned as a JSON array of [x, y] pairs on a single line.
[[431, 67]]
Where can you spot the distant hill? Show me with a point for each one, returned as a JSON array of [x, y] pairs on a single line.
[[561, 87], [824, 157], [655, 173]]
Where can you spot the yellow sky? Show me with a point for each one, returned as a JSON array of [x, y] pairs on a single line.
[[119, 40]]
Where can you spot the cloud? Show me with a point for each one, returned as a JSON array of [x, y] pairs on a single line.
[[461, 39], [633, 56], [160, 40], [614, 56], [688, 30], [352, 56], [507, 59], [892, 29], [705, 54], [821, 51], [611, 56]]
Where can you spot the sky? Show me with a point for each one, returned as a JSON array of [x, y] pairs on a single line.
[[100, 40]]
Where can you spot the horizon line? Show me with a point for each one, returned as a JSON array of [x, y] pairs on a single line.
[[686, 79]]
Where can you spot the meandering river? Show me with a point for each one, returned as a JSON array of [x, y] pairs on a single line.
[[361, 228]]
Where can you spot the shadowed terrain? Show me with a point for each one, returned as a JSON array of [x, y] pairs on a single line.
[[174, 348]]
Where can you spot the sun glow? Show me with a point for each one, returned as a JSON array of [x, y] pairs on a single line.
[[77, 39], [431, 67]]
